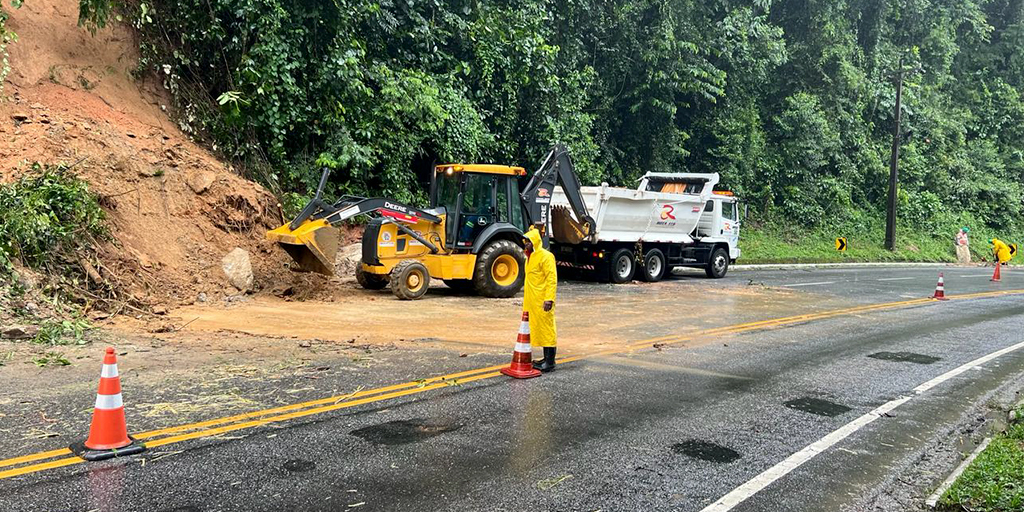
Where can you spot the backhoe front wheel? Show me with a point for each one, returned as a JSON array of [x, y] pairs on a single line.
[[500, 270], [409, 280], [370, 281]]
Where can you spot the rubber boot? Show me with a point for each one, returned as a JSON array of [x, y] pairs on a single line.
[[549, 360]]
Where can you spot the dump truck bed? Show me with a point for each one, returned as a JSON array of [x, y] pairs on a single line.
[[666, 207]]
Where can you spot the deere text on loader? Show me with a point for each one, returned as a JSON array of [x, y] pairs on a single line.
[[470, 237]]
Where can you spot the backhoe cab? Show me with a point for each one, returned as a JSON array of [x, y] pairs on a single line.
[[475, 246]]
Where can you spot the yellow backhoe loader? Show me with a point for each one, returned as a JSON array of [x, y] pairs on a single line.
[[470, 237]]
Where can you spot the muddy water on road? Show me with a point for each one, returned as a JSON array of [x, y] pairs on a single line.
[[590, 315]]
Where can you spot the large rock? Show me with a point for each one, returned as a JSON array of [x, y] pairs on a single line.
[[201, 181], [238, 269]]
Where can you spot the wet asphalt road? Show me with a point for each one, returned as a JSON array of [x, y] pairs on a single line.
[[668, 429]]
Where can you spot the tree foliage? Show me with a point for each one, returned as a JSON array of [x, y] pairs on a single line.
[[790, 100]]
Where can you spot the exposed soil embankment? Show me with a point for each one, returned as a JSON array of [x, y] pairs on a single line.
[[173, 208]]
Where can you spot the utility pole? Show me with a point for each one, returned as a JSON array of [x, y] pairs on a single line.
[[890, 217]]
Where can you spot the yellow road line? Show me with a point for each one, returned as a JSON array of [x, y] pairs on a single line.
[[249, 424], [311, 403], [40, 467], [34, 457], [432, 383]]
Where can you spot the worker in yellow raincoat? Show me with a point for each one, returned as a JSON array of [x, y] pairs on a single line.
[[1001, 250], [539, 298]]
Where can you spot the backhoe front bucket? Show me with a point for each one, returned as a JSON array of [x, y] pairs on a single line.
[[313, 245]]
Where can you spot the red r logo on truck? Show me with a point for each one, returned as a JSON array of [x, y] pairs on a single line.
[[666, 212]]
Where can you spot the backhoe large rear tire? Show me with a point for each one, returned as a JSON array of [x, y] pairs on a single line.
[[370, 281], [500, 270], [409, 280]]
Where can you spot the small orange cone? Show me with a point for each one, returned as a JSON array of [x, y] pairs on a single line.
[[108, 435], [522, 365], [940, 289], [995, 275]]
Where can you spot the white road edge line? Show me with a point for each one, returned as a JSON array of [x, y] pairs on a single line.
[[759, 482], [933, 500], [896, 278], [808, 284]]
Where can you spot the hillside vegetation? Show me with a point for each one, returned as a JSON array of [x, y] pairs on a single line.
[[790, 100]]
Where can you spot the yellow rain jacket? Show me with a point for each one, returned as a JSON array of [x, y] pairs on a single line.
[[541, 285], [1001, 250]]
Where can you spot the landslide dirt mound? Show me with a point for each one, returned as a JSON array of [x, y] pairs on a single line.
[[173, 208]]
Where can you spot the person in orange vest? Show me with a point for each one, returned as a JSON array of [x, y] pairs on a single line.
[[539, 291], [1000, 250]]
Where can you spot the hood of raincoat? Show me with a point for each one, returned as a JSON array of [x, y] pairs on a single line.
[[534, 237]]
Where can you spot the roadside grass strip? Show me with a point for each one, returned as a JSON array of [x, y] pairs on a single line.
[[994, 481], [213, 427]]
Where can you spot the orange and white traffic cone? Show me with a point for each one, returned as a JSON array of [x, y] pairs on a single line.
[[522, 365], [108, 435], [995, 275], [940, 289]]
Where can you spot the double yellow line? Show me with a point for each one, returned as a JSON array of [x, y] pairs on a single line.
[[252, 419]]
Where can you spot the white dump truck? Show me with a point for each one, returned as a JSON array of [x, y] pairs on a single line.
[[670, 220]]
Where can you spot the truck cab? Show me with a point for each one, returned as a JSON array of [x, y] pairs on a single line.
[[720, 223]]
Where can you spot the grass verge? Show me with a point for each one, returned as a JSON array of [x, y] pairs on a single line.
[[994, 482], [777, 244]]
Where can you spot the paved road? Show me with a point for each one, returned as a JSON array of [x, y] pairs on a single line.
[[668, 428]]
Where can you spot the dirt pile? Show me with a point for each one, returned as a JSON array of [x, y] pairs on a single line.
[[174, 209]]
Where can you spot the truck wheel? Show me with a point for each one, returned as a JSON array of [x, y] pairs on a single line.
[[622, 266], [409, 280], [460, 285], [654, 266], [718, 264], [500, 270], [370, 281]]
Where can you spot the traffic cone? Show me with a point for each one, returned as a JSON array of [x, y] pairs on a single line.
[[522, 366], [108, 435], [995, 275], [940, 289]]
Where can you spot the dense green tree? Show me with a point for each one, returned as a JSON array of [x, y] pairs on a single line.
[[790, 100]]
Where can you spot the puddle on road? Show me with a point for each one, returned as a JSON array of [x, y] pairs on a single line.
[[705, 450], [298, 465], [817, 406], [908, 357], [404, 431]]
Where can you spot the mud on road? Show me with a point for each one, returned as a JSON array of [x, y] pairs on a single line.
[[253, 352]]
